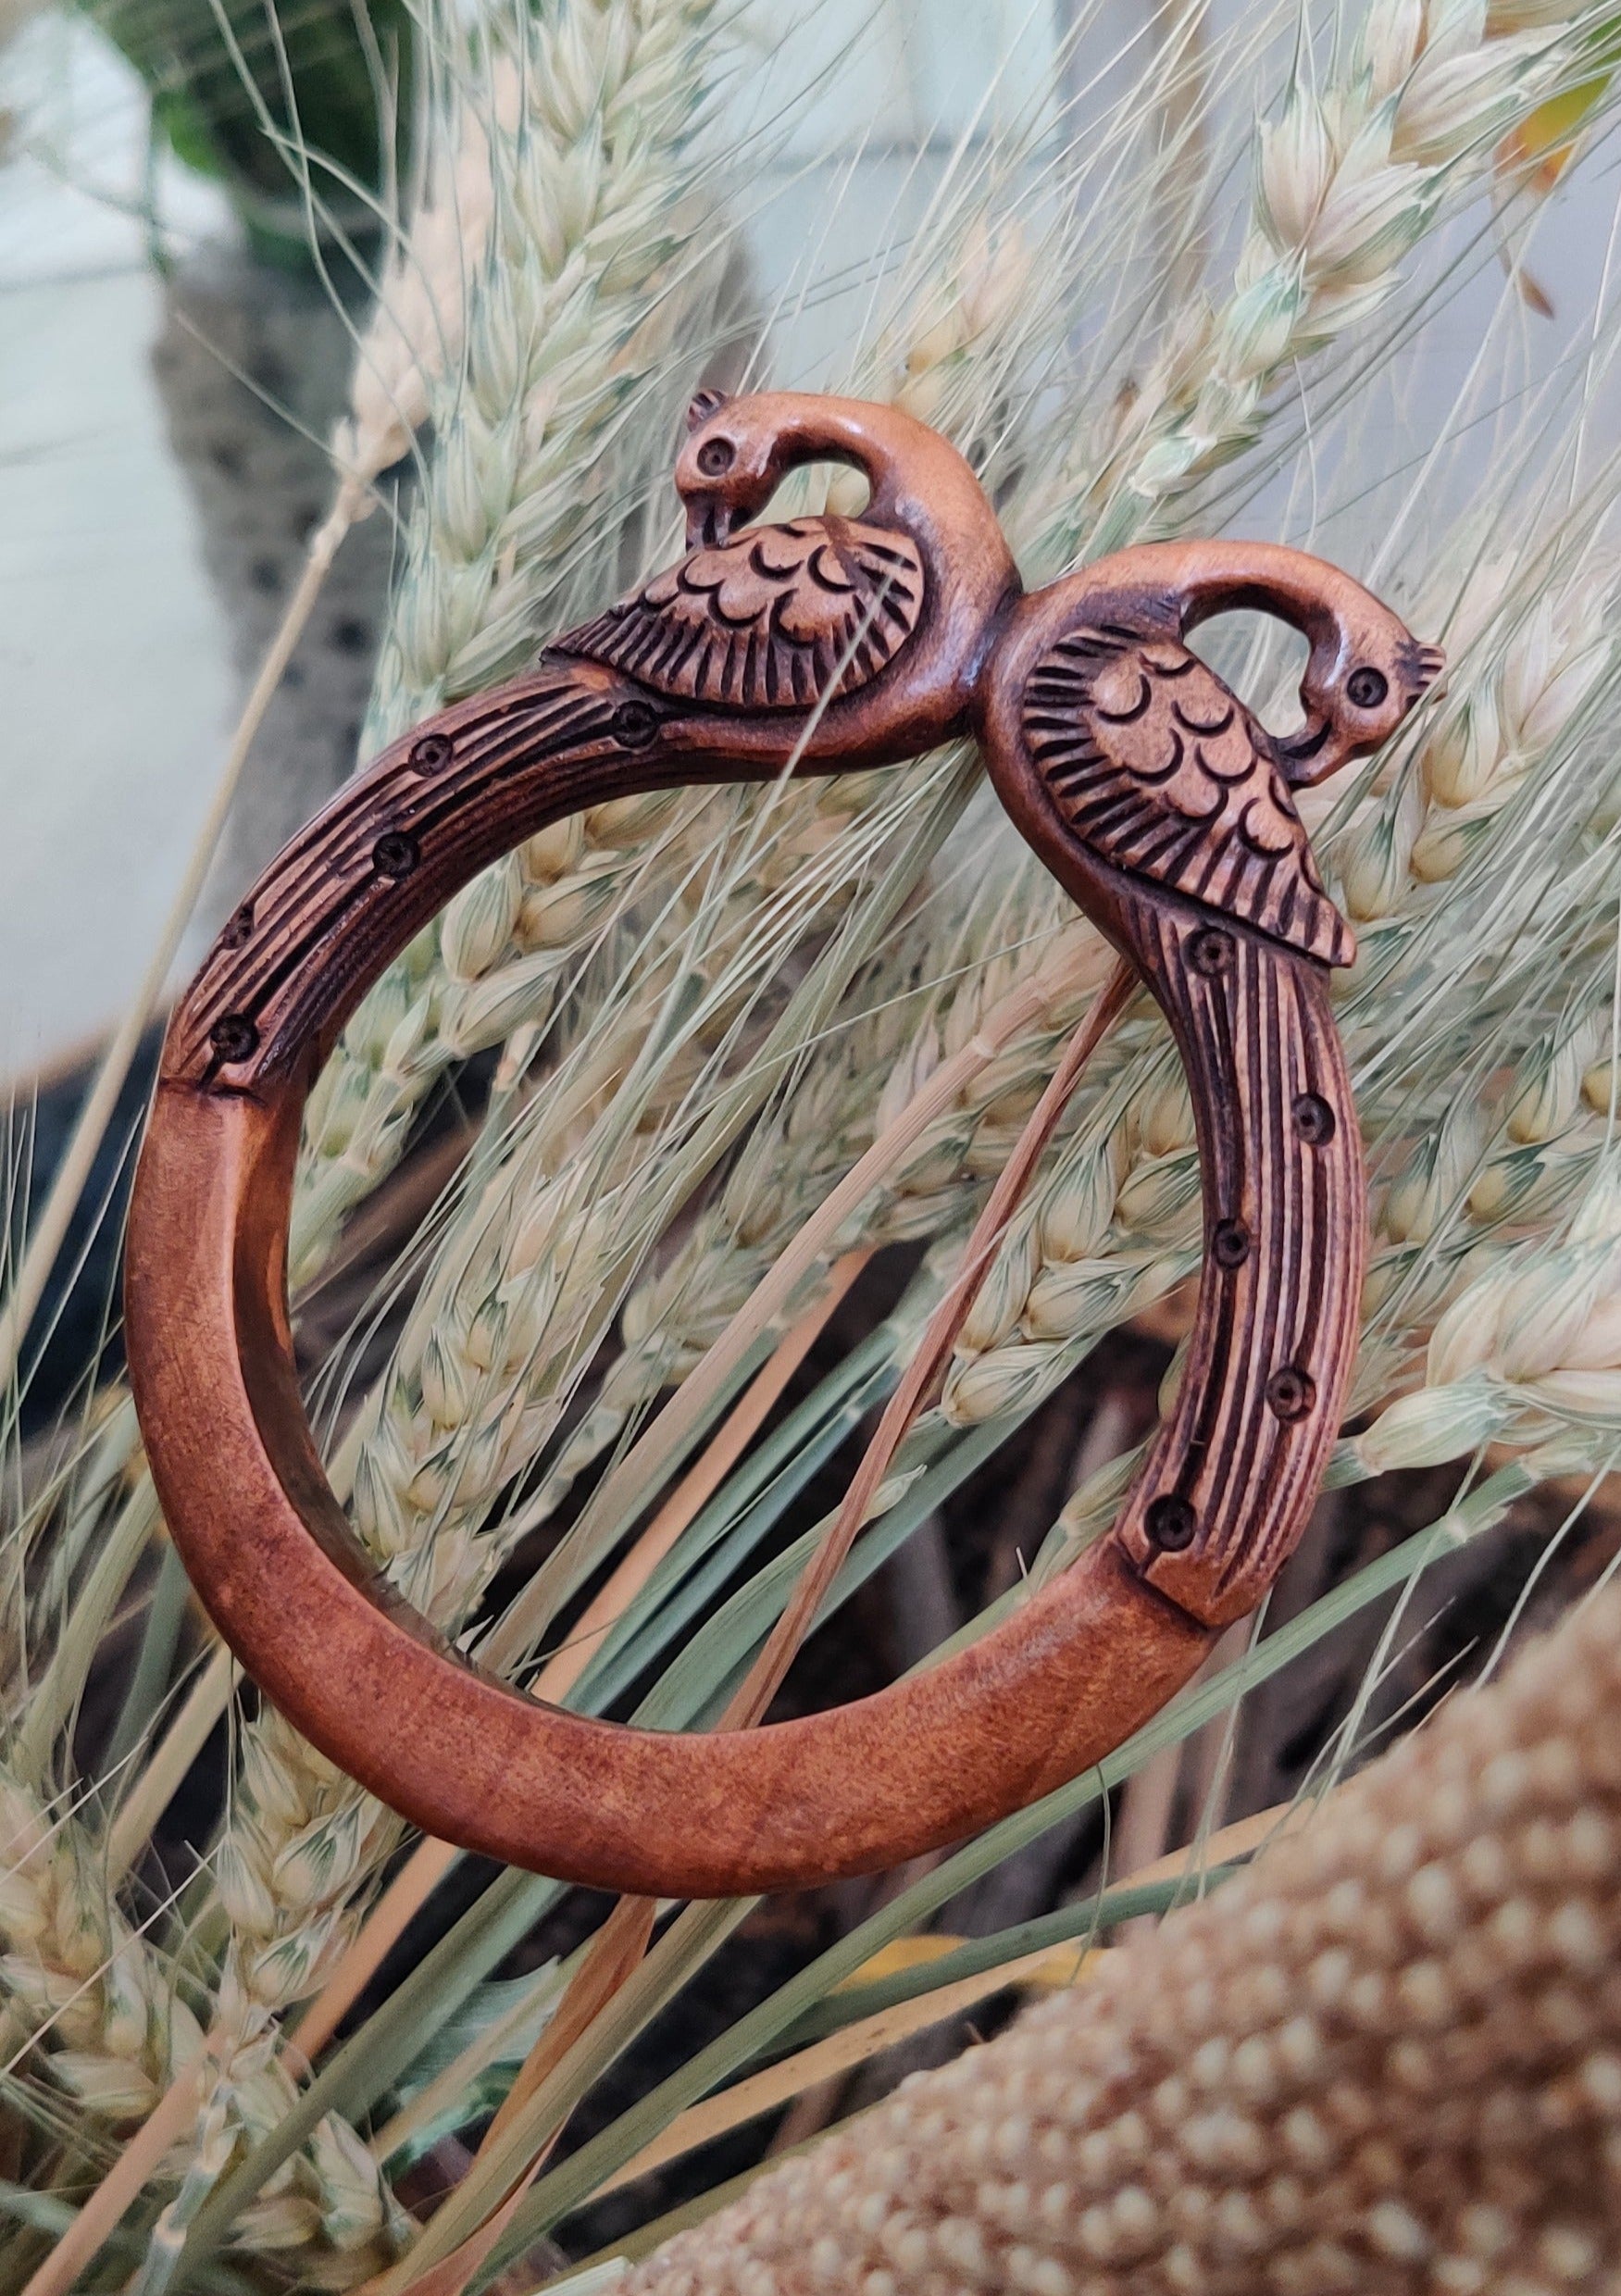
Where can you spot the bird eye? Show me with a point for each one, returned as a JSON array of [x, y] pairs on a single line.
[[716, 456], [1367, 688]]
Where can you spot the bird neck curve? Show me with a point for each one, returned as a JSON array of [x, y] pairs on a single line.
[[880, 442], [1194, 580], [918, 482]]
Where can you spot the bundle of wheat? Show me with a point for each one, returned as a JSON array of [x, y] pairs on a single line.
[[735, 1001]]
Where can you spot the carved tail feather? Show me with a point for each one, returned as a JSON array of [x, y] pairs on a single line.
[[776, 619], [1158, 768], [1229, 1484]]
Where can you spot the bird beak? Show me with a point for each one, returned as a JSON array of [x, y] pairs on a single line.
[[1310, 755], [708, 522]]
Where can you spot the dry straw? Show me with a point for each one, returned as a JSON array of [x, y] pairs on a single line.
[[596, 257], [1348, 181], [597, 168], [1339, 232], [628, 85], [1116, 1224], [407, 1505]]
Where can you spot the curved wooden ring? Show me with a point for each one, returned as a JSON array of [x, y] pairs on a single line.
[[380, 1690]]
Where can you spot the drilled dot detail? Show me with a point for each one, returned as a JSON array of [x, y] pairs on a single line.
[[1172, 1523], [1313, 1119], [239, 930], [634, 724], [234, 1036], [395, 854], [1210, 951], [1290, 1392], [433, 753], [1229, 1243]]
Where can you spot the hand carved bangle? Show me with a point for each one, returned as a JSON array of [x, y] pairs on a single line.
[[1162, 806]]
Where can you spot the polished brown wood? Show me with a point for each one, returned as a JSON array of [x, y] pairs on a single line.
[[812, 647], [370, 870], [1165, 809]]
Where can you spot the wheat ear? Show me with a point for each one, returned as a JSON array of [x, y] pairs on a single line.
[[973, 275], [592, 260], [84, 1990], [1347, 182], [1443, 104], [409, 340]]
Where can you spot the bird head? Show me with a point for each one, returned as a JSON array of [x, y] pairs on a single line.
[[729, 465], [1365, 673]]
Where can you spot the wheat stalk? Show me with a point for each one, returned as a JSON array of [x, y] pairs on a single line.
[[967, 278], [1348, 181], [701, 888], [995, 1395], [414, 336], [618, 87], [641, 117], [482, 922], [592, 262], [409, 342], [1425, 124], [1116, 1225], [1122, 1214]]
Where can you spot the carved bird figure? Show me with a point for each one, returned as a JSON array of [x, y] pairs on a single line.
[[811, 647], [778, 617], [1164, 805], [818, 644], [1161, 770], [1165, 808]]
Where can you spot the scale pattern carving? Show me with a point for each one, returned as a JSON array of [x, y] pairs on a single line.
[[779, 618], [1164, 772]]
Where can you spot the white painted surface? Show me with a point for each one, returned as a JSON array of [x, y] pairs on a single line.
[[112, 667]]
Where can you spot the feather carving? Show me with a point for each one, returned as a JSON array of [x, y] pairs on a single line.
[[778, 618], [1163, 771]]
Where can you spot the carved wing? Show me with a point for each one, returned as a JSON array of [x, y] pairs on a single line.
[[1164, 772], [777, 618]]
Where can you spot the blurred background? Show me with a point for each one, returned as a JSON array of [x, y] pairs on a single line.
[[171, 357]]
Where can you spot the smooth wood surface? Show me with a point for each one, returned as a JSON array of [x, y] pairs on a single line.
[[912, 622]]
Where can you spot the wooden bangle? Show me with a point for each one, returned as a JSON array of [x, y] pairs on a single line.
[[1163, 808]]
